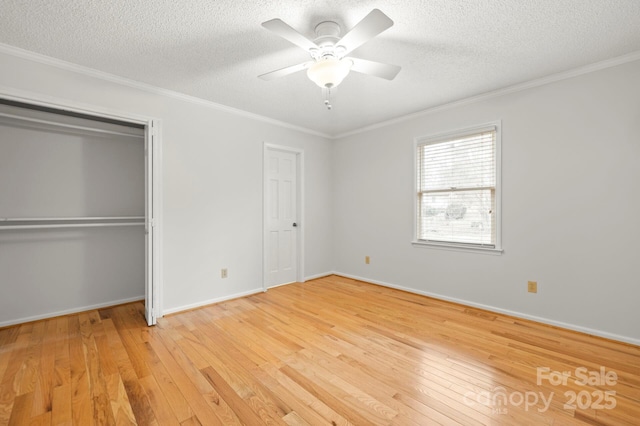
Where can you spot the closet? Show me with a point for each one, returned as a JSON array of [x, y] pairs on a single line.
[[73, 210]]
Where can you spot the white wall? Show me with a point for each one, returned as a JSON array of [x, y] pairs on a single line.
[[570, 197], [571, 205], [212, 177]]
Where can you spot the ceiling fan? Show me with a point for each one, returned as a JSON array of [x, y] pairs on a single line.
[[329, 64]]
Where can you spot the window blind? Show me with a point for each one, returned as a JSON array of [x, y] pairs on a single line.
[[457, 189]]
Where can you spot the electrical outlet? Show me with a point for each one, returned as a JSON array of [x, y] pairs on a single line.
[[223, 273], [532, 286], [367, 260]]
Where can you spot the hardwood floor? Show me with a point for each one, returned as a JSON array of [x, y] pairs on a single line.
[[331, 351]]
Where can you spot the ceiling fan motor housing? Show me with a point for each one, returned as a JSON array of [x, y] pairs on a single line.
[[327, 35]]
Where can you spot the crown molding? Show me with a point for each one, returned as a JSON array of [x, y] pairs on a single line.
[[597, 66], [58, 63], [91, 72]]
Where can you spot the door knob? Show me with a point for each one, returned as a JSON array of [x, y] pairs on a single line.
[[295, 224]]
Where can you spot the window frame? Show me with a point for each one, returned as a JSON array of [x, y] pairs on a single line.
[[441, 137]]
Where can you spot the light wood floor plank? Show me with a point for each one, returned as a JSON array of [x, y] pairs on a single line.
[[61, 413], [190, 382], [332, 351]]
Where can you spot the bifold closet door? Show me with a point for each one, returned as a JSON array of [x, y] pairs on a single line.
[[72, 207]]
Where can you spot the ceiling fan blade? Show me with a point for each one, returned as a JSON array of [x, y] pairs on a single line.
[[370, 26], [285, 71], [288, 33], [378, 69]]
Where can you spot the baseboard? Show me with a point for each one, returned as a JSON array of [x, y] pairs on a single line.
[[568, 326], [280, 285], [235, 296], [70, 311], [322, 275], [210, 301]]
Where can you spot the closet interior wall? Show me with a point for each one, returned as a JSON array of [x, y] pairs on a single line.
[[72, 210]]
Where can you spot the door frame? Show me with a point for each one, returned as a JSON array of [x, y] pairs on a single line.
[[153, 182], [299, 153]]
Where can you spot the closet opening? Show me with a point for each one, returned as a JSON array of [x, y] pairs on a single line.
[[79, 204]]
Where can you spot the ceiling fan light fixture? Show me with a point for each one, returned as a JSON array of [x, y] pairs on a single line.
[[329, 72]]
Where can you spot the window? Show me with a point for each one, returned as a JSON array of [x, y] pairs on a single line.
[[458, 194]]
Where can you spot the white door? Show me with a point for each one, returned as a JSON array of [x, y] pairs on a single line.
[[281, 227], [150, 305]]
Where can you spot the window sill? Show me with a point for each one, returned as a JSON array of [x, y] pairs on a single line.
[[457, 247]]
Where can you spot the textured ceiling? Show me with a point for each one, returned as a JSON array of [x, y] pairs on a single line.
[[215, 49]]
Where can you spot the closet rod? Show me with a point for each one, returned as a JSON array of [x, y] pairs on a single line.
[[69, 126], [51, 219], [71, 225]]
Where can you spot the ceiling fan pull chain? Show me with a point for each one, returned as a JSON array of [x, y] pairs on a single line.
[[327, 95]]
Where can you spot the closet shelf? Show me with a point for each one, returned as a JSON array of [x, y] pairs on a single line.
[[5, 116], [60, 219], [14, 223], [70, 225]]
